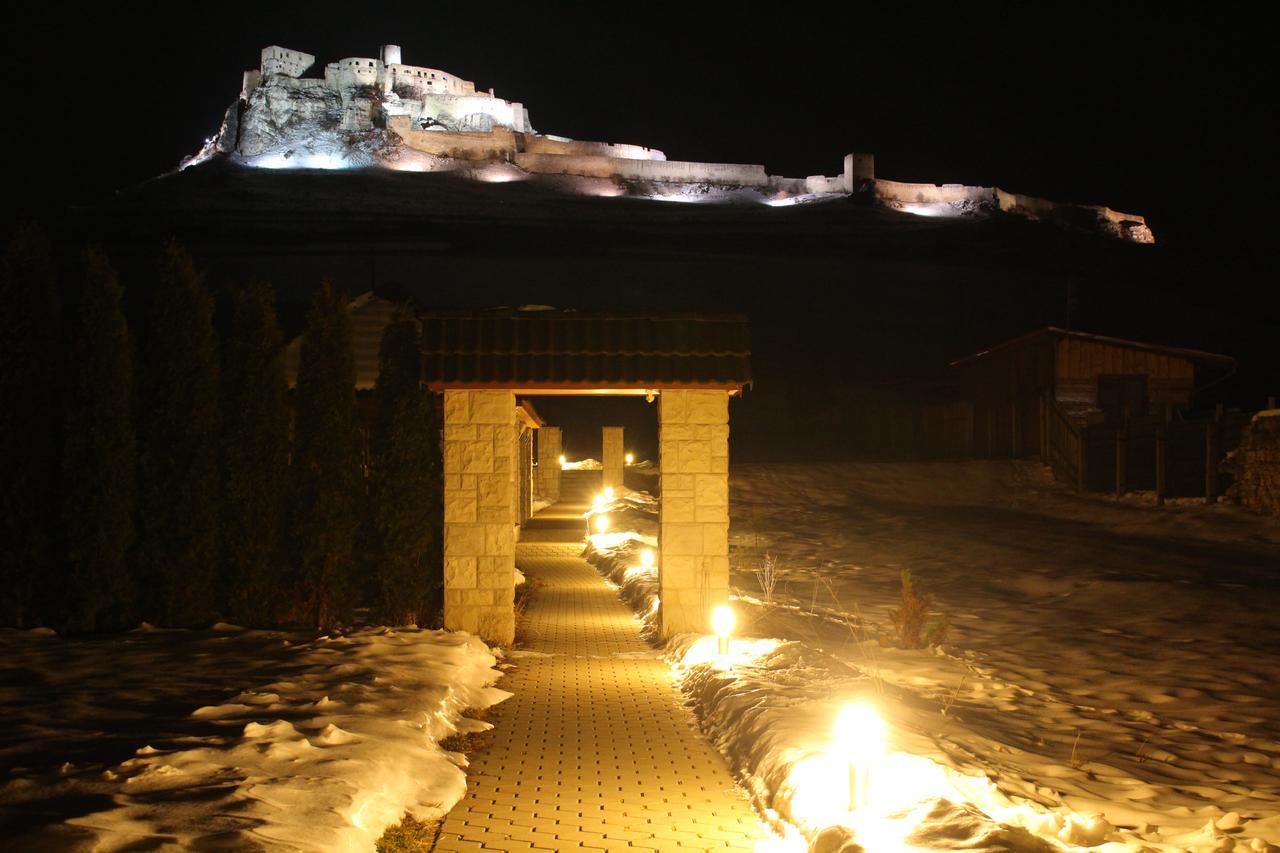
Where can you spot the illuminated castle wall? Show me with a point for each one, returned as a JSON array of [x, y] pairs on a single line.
[[380, 112]]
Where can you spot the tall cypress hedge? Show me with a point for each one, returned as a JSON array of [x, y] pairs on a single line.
[[327, 471], [405, 481], [99, 458], [30, 419], [178, 432], [255, 457]]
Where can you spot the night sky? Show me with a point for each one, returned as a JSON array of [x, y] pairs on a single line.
[[1164, 117]]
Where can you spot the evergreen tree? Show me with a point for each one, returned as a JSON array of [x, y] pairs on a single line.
[[178, 432], [255, 457], [29, 422], [328, 482], [99, 458], [405, 481]]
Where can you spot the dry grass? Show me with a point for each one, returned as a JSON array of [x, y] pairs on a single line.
[[409, 836]]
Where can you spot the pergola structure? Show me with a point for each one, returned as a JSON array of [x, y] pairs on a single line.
[[483, 361]]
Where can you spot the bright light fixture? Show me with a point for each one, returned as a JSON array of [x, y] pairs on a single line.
[[860, 736], [597, 502], [602, 524], [563, 461], [631, 458], [722, 623], [647, 557], [608, 493]]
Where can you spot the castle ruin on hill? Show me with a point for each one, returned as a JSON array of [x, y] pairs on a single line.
[[378, 112]]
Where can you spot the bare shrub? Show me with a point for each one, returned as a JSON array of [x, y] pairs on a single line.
[[767, 576]]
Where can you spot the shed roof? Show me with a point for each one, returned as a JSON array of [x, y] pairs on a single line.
[[568, 351], [1055, 333], [370, 315]]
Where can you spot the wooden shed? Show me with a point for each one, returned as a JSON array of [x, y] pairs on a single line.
[[1015, 387]]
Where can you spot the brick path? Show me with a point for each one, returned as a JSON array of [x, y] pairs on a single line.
[[594, 751]]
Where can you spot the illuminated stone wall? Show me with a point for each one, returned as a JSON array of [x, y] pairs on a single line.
[[500, 144], [555, 145], [479, 513], [1256, 464], [612, 457], [677, 171], [693, 571], [547, 486], [282, 60]]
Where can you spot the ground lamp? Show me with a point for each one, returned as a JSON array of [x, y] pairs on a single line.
[[631, 458], [860, 736], [597, 502], [722, 624], [563, 461], [602, 524], [608, 493]]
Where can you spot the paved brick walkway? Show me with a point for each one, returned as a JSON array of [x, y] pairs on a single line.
[[594, 751]]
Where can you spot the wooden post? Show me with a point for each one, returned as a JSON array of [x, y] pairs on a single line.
[[1122, 450], [1162, 464], [1015, 438], [1211, 463], [1044, 427], [1082, 460]]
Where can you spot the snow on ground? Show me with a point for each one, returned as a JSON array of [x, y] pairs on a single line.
[[1106, 683], [1104, 658], [151, 737], [581, 465]]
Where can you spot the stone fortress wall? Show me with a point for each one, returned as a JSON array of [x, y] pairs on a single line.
[[1129, 226]]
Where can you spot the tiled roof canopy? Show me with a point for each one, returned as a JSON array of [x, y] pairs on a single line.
[[568, 350]]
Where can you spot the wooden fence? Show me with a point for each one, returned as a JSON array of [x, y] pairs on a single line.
[[1173, 458]]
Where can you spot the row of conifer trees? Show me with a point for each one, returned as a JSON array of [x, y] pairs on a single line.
[[160, 471]]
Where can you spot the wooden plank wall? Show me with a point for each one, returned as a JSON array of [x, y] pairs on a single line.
[[1079, 364]]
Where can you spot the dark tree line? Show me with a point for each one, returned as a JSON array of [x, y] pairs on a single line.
[[161, 471]]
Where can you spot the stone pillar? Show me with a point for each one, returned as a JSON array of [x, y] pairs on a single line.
[[612, 457], [549, 463], [479, 514], [693, 568]]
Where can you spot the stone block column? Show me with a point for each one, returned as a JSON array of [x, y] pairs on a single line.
[[479, 514], [693, 568], [549, 444], [612, 457]]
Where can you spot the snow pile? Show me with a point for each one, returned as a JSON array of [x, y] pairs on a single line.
[[582, 465], [770, 707], [1104, 658], [619, 557], [326, 759]]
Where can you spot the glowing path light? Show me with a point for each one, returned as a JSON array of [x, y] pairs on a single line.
[[563, 462], [631, 458], [597, 502], [860, 737], [722, 623], [608, 493], [602, 524]]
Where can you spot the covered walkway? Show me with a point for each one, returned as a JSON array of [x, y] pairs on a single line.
[[595, 750]]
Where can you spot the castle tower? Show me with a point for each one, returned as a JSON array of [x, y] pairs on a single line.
[[391, 54]]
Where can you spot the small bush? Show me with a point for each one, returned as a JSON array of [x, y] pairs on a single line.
[[912, 628]]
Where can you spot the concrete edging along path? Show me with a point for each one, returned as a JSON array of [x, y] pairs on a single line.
[[595, 750]]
